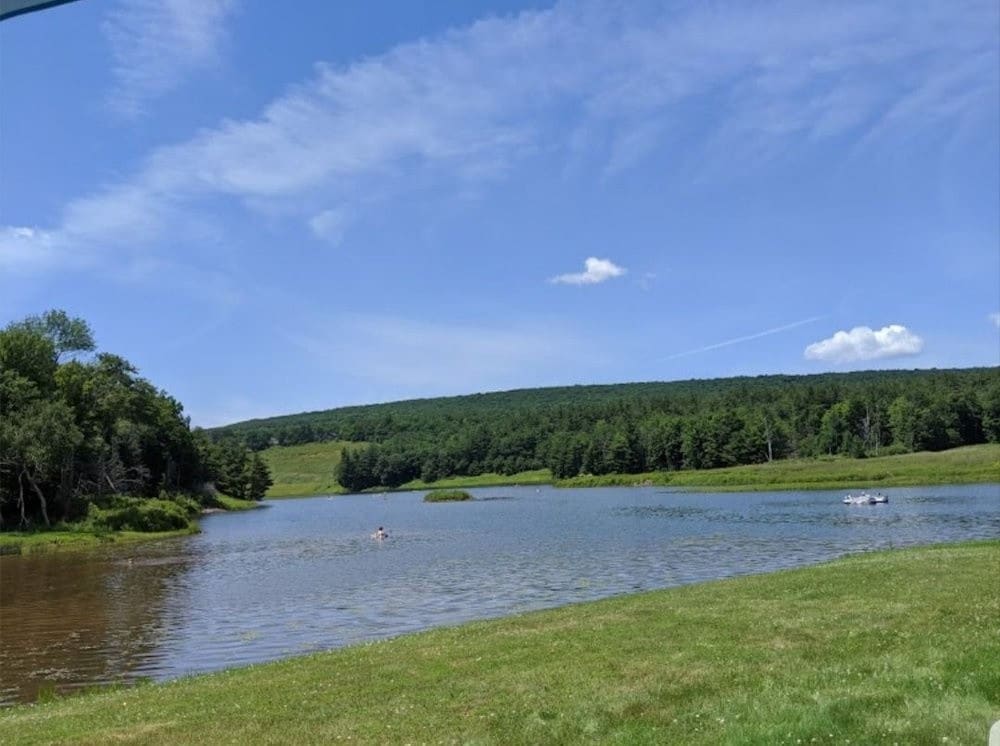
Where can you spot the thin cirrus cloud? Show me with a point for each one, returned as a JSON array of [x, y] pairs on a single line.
[[863, 343], [995, 319], [330, 225], [746, 337], [474, 103], [437, 357], [156, 44], [595, 271]]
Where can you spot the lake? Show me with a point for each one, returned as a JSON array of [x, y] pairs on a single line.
[[304, 575]]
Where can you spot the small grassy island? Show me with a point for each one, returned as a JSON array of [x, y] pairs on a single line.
[[444, 496], [884, 647]]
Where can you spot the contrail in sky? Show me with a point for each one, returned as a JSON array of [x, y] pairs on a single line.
[[747, 338]]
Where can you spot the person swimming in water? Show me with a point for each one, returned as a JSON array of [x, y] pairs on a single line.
[[380, 534]]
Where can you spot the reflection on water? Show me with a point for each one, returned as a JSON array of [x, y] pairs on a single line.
[[305, 575], [69, 620]]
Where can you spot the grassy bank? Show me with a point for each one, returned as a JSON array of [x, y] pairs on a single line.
[[70, 539], [81, 536], [229, 504], [909, 655], [966, 465]]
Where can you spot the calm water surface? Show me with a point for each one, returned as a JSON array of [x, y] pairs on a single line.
[[303, 575]]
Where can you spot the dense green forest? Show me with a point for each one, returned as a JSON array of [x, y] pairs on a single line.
[[632, 428], [84, 438]]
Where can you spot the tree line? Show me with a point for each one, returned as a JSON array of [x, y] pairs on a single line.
[[81, 432], [633, 428]]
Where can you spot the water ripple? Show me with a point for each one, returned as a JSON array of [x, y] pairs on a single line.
[[305, 576]]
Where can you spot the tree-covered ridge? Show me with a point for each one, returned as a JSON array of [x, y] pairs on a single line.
[[631, 428], [83, 435]]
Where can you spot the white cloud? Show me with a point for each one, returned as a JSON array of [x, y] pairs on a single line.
[[158, 43], [995, 318], [862, 343], [472, 104], [330, 225], [27, 248], [597, 270]]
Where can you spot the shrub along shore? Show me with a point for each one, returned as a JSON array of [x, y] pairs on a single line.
[[124, 521], [298, 472], [883, 647]]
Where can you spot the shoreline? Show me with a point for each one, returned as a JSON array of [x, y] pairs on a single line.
[[13, 543], [967, 465], [903, 656]]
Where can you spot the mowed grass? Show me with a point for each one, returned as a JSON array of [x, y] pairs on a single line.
[[306, 469], [971, 464], [892, 647]]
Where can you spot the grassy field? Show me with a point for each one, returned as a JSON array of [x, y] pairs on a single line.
[[890, 647], [307, 469], [304, 470], [958, 466]]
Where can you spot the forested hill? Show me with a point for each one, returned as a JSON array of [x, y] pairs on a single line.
[[638, 427]]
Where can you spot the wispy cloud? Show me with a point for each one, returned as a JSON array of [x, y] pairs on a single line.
[[747, 338], [863, 343], [330, 225], [995, 319], [156, 44], [425, 358], [596, 271], [647, 281], [472, 104]]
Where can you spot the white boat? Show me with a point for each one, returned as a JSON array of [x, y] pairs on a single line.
[[865, 498]]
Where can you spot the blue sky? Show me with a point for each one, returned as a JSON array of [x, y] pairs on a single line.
[[269, 212]]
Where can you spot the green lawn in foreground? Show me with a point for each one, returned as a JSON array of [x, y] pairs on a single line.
[[893, 647]]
